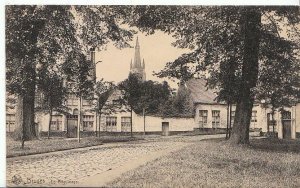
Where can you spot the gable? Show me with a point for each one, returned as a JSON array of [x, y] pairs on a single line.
[[200, 93]]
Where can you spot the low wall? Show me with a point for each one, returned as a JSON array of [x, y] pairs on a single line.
[[154, 124], [210, 131], [64, 134]]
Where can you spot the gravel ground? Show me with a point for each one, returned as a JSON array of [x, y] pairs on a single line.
[[67, 167]]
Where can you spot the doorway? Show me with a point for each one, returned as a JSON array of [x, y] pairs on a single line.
[[286, 124], [165, 128], [72, 121]]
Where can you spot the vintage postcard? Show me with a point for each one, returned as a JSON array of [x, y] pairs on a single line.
[[152, 96]]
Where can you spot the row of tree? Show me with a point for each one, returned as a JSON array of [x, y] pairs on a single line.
[[155, 98]]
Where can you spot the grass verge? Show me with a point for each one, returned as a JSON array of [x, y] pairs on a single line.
[[265, 163], [13, 148]]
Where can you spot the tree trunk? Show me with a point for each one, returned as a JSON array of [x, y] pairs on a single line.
[[228, 121], [96, 114], [24, 119], [79, 120], [49, 123], [251, 23], [131, 122], [144, 115], [99, 123]]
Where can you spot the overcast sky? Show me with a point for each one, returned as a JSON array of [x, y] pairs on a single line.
[[155, 49]]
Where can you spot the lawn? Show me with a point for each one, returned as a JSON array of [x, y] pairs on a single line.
[[13, 148], [215, 163]]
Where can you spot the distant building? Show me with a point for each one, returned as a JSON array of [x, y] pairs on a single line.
[[138, 67]]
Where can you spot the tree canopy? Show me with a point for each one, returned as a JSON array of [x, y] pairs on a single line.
[[48, 35], [235, 47]]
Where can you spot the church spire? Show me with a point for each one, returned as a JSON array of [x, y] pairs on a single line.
[[137, 56], [137, 45], [137, 66]]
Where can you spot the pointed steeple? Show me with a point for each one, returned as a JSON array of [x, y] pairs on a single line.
[[137, 45], [137, 56], [137, 66], [143, 64]]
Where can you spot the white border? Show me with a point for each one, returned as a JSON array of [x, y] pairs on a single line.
[[94, 2], [155, 2]]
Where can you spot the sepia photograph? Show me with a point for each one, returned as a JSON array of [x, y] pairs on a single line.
[[152, 96]]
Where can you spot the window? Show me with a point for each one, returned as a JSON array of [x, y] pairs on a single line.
[[253, 119], [10, 122], [72, 100], [271, 122], [203, 118], [111, 123], [125, 124], [56, 123], [215, 118], [286, 115], [88, 122], [232, 117], [86, 102]]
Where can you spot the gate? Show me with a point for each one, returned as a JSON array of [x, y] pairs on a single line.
[[165, 128], [286, 124]]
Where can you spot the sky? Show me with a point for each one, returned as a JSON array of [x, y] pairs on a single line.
[[155, 49]]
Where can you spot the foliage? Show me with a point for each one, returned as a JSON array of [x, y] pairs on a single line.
[[180, 105], [53, 93], [77, 69], [131, 91], [148, 95], [103, 91], [233, 46], [50, 36]]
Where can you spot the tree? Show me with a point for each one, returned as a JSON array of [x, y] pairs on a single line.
[[242, 38], [80, 80], [180, 105], [131, 93], [39, 33], [53, 92], [103, 91], [144, 96], [153, 95]]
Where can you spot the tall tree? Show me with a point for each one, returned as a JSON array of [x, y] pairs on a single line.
[[53, 95], [80, 80], [131, 93], [236, 36], [103, 91], [153, 95], [180, 105]]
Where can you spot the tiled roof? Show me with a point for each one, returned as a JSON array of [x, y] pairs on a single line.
[[200, 93]]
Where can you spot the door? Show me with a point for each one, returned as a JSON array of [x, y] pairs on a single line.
[[165, 128], [286, 124], [72, 126]]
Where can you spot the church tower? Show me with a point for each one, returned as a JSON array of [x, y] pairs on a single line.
[[138, 67]]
